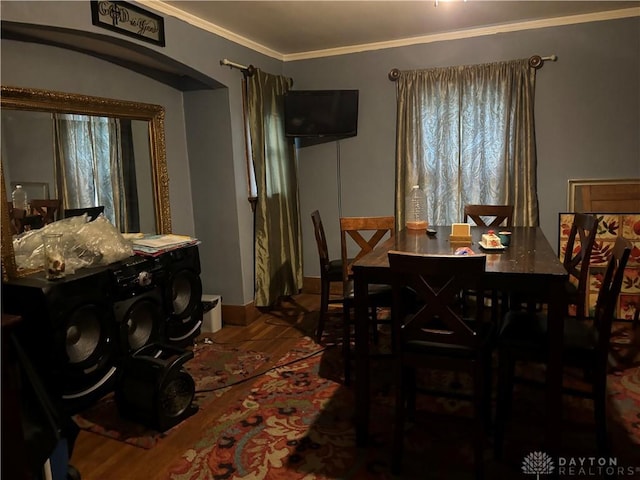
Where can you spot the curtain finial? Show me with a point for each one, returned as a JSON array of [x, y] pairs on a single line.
[[394, 74]]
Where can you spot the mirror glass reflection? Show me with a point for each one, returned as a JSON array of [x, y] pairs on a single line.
[[81, 161]]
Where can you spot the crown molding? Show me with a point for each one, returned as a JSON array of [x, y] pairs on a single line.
[[470, 33], [165, 8], [197, 22]]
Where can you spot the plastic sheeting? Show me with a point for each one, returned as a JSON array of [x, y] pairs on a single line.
[[84, 244]]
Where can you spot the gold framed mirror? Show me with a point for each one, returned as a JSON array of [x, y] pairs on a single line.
[[52, 102]]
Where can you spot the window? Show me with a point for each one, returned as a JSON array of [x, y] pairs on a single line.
[[466, 135], [95, 167]]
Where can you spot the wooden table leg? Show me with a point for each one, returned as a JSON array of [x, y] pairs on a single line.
[[362, 359], [554, 374]]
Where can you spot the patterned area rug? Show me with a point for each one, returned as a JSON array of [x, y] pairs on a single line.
[[624, 392], [297, 423], [214, 369]]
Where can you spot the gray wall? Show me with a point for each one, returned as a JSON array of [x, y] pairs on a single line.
[[27, 150], [587, 120]]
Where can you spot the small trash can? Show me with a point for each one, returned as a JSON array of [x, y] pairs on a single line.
[[212, 313]]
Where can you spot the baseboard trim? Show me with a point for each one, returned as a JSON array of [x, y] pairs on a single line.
[[246, 314], [313, 285], [239, 314]]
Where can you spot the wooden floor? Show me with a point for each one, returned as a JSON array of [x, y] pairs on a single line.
[[100, 458]]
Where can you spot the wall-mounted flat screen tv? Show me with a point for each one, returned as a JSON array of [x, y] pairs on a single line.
[[328, 114]]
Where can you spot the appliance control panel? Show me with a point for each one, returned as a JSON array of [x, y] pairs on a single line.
[[137, 274]]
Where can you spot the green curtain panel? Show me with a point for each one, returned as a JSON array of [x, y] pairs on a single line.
[[466, 135], [278, 235]]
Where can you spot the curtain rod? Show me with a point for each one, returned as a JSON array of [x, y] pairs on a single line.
[[536, 61], [249, 71]]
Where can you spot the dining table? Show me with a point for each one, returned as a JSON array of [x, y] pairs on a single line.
[[529, 265]]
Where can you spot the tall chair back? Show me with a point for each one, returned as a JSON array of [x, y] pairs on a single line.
[[353, 231], [501, 215], [607, 300], [436, 280], [576, 258], [47, 209], [330, 271], [490, 216], [321, 242]]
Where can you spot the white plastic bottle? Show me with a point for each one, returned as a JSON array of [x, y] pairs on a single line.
[[416, 209], [19, 198]]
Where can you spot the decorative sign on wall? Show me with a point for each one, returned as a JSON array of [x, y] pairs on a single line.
[[122, 17], [610, 226]]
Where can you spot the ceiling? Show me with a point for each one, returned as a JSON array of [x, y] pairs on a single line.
[[292, 30]]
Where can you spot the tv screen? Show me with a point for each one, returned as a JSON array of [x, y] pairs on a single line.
[[321, 113]]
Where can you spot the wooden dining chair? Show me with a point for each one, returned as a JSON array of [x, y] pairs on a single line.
[[437, 336], [46, 208], [361, 235], [586, 346], [330, 272], [576, 258], [15, 219], [489, 215]]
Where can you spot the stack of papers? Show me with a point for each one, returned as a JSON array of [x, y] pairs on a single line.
[[154, 245]]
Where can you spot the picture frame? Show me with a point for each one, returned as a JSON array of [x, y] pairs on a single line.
[[128, 19], [604, 195]]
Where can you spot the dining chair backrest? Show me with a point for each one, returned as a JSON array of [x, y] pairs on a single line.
[[376, 229], [330, 272], [436, 280], [92, 212], [608, 296], [15, 219], [321, 242], [577, 255], [501, 215], [46, 208]]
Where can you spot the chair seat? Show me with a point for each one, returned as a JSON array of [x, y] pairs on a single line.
[[334, 270], [486, 334], [376, 294], [528, 332]]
